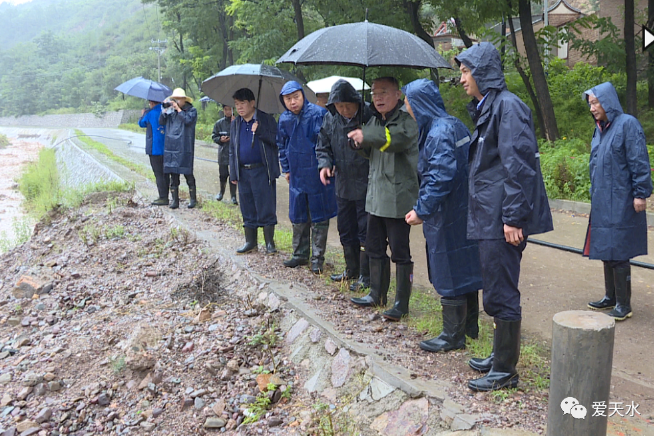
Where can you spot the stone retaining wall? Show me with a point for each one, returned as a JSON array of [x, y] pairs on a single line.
[[78, 168], [108, 119]]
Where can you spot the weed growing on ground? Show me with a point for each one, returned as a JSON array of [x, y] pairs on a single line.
[[257, 409], [115, 232], [118, 364], [21, 229], [268, 339], [4, 141], [328, 422]]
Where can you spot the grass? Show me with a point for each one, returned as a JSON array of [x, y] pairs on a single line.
[[22, 230], [103, 149], [132, 127], [4, 141]]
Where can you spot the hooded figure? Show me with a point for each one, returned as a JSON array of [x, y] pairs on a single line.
[[311, 204], [337, 160], [621, 180], [179, 148], [507, 203], [442, 208]]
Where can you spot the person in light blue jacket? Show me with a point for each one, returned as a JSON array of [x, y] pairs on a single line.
[[154, 148]]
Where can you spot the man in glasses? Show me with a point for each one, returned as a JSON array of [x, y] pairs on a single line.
[[390, 141]]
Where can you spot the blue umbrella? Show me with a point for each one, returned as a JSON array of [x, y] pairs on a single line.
[[206, 99], [144, 88]]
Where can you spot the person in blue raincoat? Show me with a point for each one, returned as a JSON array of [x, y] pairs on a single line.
[[621, 180], [154, 148], [442, 209], [311, 204], [507, 203]]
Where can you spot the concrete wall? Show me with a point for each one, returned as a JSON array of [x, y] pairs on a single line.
[[108, 119]]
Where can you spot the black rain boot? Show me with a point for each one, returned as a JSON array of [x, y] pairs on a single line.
[[301, 245], [622, 309], [472, 315], [380, 280], [232, 192], [506, 346], [250, 241], [160, 202], [220, 195], [269, 237], [318, 246], [174, 191], [351, 255], [608, 301], [364, 278], [481, 364], [403, 281], [192, 193], [453, 336]]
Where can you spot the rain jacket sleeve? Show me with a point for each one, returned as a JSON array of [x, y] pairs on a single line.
[[215, 134], [516, 150], [637, 159], [397, 136], [266, 130], [188, 117], [438, 172], [324, 152], [282, 144]]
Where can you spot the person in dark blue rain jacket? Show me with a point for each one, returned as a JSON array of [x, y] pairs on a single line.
[[311, 204], [442, 209], [154, 148], [507, 203], [621, 180]]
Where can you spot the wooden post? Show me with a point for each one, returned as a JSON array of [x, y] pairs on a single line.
[[582, 355]]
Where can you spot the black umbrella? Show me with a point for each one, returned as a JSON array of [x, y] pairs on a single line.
[[264, 80], [365, 45]]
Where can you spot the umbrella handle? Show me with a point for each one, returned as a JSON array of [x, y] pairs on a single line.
[[256, 103]]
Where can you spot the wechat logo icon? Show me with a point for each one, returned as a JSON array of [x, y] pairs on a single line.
[[572, 407]]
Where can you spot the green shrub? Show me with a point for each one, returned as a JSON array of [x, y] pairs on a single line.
[[565, 169], [39, 183], [4, 141]]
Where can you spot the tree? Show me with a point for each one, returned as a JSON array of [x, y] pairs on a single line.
[[630, 46]]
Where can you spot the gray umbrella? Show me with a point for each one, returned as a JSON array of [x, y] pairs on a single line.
[[264, 81], [364, 44]]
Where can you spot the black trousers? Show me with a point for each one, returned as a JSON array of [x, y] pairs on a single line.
[[500, 272], [257, 197], [352, 222], [162, 179], [223, 172], [384, 232], [174, 180]]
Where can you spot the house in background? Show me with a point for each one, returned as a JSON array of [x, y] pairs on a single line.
[[448, 38]]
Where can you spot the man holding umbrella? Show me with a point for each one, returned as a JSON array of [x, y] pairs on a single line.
[[154, 148], [390, 141], [311, 204], [254, 165], [338, 161]]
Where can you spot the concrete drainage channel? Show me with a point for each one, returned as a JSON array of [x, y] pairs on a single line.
[[378, 398]]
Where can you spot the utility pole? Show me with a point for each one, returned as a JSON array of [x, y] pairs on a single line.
[[160, 50]]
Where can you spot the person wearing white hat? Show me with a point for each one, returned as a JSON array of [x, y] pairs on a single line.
[[179, 117]]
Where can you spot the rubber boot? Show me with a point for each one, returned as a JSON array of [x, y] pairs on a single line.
[[453, 336], [404, 282], [364, 277], [472, 315], [232, 192], [192, 193], [318, 246], [380, 280], [250, 241], [301, 245], [352, 266], [506, 346], [175, 194], [269, 237], [608, 301], [481, 364], [622, 309], [220, 195], [160, 202]]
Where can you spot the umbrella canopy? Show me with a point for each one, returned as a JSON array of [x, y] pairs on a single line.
[[264, 81], [206, 99], [144, 88], [364, 44], [325, 85]]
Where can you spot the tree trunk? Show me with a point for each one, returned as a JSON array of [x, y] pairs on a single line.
[[630, 46], [299, 21], [525, 79], [413, 9], [224, 32], [462, 33], [230, 59], [650, 70], [537, 71]]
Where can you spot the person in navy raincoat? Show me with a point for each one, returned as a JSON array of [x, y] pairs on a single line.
[[311, 204], [442, 209], [154, 148], [621, 180], [507, 203]]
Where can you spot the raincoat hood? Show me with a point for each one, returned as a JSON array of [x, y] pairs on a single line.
[[343, 92], [608, 98], [426, 102], [290, 88], [484, 62]]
